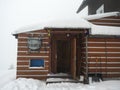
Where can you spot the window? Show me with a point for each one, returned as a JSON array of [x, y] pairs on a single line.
[[100, 9], [38, 63]]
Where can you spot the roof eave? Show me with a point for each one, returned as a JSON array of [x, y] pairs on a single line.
[[82, 6]]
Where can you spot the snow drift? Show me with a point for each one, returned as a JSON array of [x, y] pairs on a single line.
[[32, 84]]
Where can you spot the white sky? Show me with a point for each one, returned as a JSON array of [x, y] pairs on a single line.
[[15, 14]]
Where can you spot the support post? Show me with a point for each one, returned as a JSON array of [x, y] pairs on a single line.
[[86, 80]]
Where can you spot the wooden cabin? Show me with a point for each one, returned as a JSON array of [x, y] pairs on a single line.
[[52, 48], [68, 46]]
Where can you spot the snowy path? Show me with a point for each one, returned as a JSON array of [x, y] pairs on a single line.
[[8, 82]]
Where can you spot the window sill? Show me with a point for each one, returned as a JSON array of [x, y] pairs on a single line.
[[36, 67]]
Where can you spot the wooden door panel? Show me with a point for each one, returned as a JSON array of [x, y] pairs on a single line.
[[73, 58]]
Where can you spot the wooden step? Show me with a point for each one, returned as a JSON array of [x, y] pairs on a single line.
[[60, 77], [61, 80]]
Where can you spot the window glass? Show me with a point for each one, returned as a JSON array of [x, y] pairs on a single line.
[[36, 63]]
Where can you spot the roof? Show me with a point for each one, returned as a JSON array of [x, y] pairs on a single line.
[[104, 30], [83, 5], [102, 15], [76, 23], [62, 23]]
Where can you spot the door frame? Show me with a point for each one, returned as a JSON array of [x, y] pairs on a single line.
[[73, 42]]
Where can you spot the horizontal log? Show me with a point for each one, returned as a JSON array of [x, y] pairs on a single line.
[[26, 59], [91, 70], [104, 55], [103, 65], [104, 59], [103, 40], [103, 45], [34, 34], [32, 54], [96, 40], [103, 49], [70, 32], [29, 58], [26, 49], [32, 73], [27, 68], [34, 77], [26, 39]]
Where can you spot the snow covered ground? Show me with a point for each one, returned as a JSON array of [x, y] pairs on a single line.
[[8, 82]]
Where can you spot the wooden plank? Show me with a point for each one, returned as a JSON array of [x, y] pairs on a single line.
[[113, 39], [113, 45], [96, 49], [103, 45], [96, 44], [28, 58], [34, 34], [103, 49], [103, 65], [34, 77], [32, 54], [27, 68], [103, 39], [104, 59], [103, 55], [96, 40], [26, 49], [25, 40], [113, 50], [32, 73], [103, 70]]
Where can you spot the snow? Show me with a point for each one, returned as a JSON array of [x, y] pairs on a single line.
[[6, 76], [33, 84], [69, 23], [98, 16], [59, 80], [75, 22], [105, 30], [58, 74]]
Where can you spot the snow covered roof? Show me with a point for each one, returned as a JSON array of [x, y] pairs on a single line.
[[75, 23], [62, 23], [105, 30], [98, 16]]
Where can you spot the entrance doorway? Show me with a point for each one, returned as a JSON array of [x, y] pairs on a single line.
[[63, 56]]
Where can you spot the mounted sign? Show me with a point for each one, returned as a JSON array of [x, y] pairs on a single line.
[[34, 44]]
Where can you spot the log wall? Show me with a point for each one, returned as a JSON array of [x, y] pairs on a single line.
[[24, 56], [104, 56]]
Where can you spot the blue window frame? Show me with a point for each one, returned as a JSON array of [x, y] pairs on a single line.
[[37, 63]]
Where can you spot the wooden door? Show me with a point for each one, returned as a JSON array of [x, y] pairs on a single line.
[[53, 56], [73, 58]]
